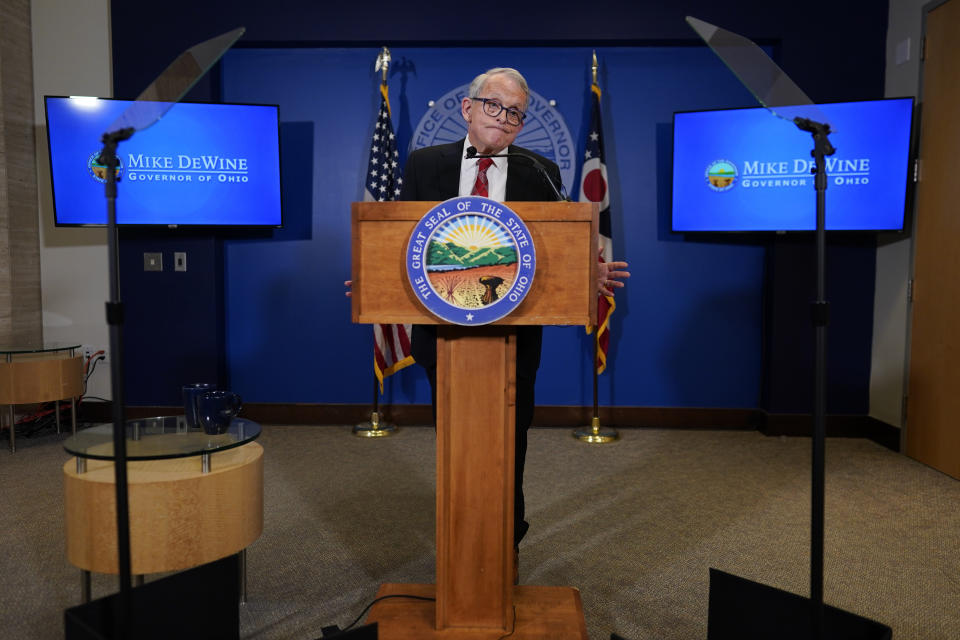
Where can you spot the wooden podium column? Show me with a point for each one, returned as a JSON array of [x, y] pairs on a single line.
[[476, 410], [475, 453]]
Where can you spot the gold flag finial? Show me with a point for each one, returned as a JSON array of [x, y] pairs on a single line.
[[383, 62], [594, 66]]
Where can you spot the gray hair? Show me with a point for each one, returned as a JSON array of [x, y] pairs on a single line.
[[478, 83]]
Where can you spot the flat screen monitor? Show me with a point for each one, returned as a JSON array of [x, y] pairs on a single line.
[[748, 170], [201, 165]]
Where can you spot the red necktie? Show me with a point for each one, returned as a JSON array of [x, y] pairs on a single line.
[[480, 186]]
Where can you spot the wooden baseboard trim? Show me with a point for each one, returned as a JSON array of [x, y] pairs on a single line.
[[567, 417], [656, 417], [837, 426], [421, 414], [280, 413]]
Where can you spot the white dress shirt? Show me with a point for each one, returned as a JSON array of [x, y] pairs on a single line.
[[496, 175]]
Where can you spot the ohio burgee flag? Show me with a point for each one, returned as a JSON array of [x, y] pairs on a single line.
[[593, 188]]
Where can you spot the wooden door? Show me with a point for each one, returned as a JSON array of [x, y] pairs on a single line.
[[933, 405]]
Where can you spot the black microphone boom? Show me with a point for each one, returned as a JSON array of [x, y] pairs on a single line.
[[472, 153]]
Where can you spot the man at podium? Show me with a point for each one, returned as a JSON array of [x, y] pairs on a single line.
[[494, 112]]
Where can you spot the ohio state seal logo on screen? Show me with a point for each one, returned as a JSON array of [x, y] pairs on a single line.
[[98, 171], [471, 260], [721, 175]]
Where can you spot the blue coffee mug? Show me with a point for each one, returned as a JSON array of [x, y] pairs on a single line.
[[191, 392], [216, 410]]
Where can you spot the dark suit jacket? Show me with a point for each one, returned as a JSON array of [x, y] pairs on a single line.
[[433, 173]]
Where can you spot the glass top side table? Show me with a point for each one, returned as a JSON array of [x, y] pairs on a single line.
[[45, 346], [40, 371], [159, 438], [167, 438]]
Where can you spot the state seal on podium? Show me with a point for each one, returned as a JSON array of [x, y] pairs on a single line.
[[471, 260]]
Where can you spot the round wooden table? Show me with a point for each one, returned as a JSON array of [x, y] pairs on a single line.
[[193, 498], [40, 372]]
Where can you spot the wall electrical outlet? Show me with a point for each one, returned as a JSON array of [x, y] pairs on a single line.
[[88, 350], [153, 261], [179, 260]]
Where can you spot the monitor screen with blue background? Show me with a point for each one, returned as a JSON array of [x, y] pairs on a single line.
[[748, 170], [200, 165]]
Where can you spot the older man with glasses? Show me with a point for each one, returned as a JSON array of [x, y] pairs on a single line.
[[494, 111]]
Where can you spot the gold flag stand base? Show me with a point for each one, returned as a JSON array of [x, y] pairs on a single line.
[[374, 428], [595, 434]]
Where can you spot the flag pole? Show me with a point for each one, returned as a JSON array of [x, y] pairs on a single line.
[[375, 428], [595, 434]]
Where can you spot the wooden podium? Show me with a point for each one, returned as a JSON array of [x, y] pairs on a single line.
[[476, 369]]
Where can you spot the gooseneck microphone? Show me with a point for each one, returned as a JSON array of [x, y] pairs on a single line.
[[472, 153]]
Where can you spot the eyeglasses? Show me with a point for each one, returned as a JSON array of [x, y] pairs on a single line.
[[493, 108]]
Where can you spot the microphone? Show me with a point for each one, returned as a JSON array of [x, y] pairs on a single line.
[[472, 153]]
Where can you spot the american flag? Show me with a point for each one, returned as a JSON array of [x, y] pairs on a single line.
[[593, 188], [391, 342]]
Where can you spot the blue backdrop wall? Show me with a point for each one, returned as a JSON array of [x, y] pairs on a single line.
[[691, 309], [704, 321]]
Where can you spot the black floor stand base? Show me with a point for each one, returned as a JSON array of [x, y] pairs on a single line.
[[747, 610], [200, 603]]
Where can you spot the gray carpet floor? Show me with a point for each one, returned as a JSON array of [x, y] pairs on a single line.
[[635, 525]]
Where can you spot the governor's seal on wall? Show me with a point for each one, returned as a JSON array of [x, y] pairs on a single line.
[[544, 131], [471, 260]]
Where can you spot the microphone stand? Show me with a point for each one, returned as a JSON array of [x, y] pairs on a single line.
[[820, 310], [115, 320], [472, 153]]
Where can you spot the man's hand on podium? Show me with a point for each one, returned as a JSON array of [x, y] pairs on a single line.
[[609, 275], [349, 284]]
